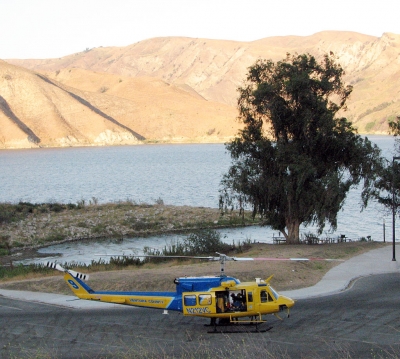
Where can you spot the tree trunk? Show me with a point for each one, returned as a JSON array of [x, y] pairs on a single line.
[[293, 228]]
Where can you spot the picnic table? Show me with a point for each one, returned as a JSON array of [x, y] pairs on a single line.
[[311, 240], [278, 240], [343, 238]]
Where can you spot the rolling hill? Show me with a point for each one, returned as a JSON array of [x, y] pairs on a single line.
[[38, 111], [178, 89]]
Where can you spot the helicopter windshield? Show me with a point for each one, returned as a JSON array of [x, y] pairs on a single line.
[[274, 293]]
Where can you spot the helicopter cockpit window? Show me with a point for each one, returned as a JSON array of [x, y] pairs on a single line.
[[205, 299], [265, 296], [249, 296], [274, 293], [190, 300]]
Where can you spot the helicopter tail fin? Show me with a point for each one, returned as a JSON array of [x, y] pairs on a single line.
[[78, 286], [75, 281]]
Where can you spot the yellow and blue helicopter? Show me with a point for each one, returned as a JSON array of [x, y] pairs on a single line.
[[216, 297]]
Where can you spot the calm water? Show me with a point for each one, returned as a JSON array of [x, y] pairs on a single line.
[[177, 174]]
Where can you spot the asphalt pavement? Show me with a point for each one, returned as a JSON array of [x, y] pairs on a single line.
[[338, 279]]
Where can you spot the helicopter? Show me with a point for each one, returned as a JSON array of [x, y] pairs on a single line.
[[216, 297]]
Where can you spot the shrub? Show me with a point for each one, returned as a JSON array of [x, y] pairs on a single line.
[[159, 201], [14, 212], [379, 107], [210, 131], [202, 242], [369, 126], [55, 237], [20, 269], [81, 204]]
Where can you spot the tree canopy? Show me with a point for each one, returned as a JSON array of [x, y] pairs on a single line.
[[295, 159], [387, 185]]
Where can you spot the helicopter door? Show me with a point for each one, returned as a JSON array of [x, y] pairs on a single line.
[[238, 301], [222, 301], [266, 300], [249, 300]]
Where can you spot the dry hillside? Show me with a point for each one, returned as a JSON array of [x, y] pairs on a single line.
[[107, 109], [180, 89]]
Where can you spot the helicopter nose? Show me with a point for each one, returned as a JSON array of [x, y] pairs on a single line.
[[287, 301]]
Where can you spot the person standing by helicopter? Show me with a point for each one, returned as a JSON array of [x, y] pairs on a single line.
[[237, 302]]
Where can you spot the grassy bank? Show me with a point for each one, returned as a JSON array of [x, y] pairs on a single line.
[[27, 225], [153, 274]]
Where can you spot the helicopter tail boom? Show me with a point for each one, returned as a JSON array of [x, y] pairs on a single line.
[[78, 287], [160, 300]]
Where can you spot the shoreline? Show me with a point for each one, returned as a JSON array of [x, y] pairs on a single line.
[[187, 141], [43, 226], [288, 275], [31, 252]]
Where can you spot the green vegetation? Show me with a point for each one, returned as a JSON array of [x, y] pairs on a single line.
[[205, 242], [27, 224], [369, 126], [198, 243], [380, 107], [294, 161], [4, 245], [387, 185], [202, 242], [14, 212]]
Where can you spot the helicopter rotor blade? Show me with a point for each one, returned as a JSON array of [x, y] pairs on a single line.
[[151, 256], [78, 275], [227, 258], [223, 257], [72, 272], [299, 259], [55, 266]]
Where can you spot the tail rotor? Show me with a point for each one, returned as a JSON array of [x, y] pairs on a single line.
[[72, 272]]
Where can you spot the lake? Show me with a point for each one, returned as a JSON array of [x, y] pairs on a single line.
[[183, 174], [177, 174]]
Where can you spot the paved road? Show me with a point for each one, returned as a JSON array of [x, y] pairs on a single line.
[[363, 322]]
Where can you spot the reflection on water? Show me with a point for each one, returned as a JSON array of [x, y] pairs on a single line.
[[86, 251], [178, 174]]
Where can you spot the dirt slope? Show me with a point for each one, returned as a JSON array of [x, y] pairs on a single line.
[[36, 110], [178, 89]]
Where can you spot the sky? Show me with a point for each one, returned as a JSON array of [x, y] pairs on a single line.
[[56, 28]]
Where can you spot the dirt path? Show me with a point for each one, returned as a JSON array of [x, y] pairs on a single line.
[[287, 275]]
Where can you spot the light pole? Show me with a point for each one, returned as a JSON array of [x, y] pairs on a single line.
[[384, 231], [394, 210]]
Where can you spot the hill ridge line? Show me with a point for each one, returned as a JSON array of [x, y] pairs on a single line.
[[93, 108]]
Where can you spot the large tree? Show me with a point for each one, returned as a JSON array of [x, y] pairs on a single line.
[[294, 161], [387, 185]]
